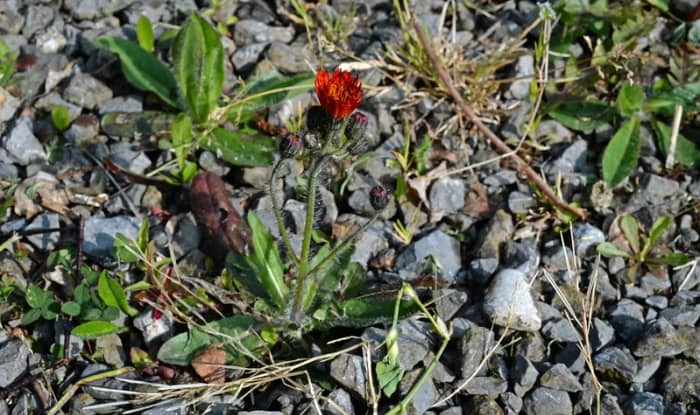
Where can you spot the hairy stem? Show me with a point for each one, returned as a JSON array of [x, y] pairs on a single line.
[[501, 147], [278, 215]]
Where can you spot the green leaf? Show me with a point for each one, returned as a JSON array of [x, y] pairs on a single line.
[[422, 154], [37, 298], [582, 115], [268, 262], [142, 237], [94, 329], [235, 332], [660, 4], [366, 311], [51, 311], [630, 228], [630, 99], [31, 316], [144, 33], [181, 136], [262, 91], [188, 172], [110, 314], [198, 60], [686, 95], [81, 294], [389, 376], [112, 294], [244, 274], [609, 249], [672, 258], [125, 249], [60, 118], [657, 229], [71, 308], [621, 154], [142, 69], [687, 151], [320, 285], [240, 149]]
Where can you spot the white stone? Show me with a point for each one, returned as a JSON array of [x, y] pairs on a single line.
[[509, 302]]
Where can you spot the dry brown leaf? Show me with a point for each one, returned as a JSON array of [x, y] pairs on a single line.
[[476, 200], [208, 363], [54, 198]]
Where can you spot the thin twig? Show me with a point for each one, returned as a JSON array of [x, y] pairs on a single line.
[[499, 145], [671, 156]]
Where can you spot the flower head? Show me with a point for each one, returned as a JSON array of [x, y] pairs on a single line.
[[291, 145], [379, 197], [339, 94]]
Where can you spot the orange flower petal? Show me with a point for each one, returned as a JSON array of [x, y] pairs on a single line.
[[339, 94]]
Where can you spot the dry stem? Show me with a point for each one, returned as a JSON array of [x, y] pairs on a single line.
[[520, 164]]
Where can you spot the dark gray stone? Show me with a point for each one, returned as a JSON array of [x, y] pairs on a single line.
[[342, 400], [12, 21], [573, 358], [586, 238], [660, 339], [83, 130], [509, 303], [681, 381], [476, 343], [13, 362], [499, 229], [547, 401], [125, 156], [522, 256], [249, 31], [86, 91], [479, 271], [609, 405], [602, 334], [616, 363], [91, 9], [290, 59], [22, 145], [685, 315], [244, 58], [560, 377], [571, 160], [9, 106], [646, 367], [38, 17], [349, 371], [444, 250], [644, 403], [519, 202], [659, 302], [628, 319], [448, 301], [524, 375], [129, 103], [48, 240], [414, 343], [486, 385], [100, 233], [370, 243], [555, 326]]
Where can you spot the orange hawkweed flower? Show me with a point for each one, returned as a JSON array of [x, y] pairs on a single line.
[[340, 94]]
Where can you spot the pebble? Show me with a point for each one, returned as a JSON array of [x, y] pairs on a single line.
[[342, 404], [560, 377], [660, 339], [486, 385], [129, 103], [86, 91], [13, 362], [100, 232], [616, 363], [83, 131], [476, 342], [290, 59], [349, 371], [21, 144], [45, 241], [444, 250], [519, 202], [509, 303], [548, 401], [8, 106], [499, 230], [644, 403], [249, 31], [154, 329], [522, 256], [446, 196]]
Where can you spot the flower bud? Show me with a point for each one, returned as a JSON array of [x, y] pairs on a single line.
[[318, 120], [355, 133], [291, 145], [379, 197]]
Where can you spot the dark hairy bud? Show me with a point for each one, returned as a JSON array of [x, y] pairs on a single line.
[[318, 120], [355, 133], [379, 197], [291, 145]]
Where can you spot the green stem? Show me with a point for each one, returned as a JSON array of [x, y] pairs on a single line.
[[278, 215], [306, 242]]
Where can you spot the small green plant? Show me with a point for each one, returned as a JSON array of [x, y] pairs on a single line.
[[409, 160], [60, 118], [293, 293], [639, 248], [194, 87], [8, 63], [144, 34]]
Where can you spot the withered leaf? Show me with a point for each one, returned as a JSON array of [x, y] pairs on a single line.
[[224, 226], [208, 363]]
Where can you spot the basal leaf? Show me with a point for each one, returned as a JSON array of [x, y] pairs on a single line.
[[60, 118], [366, 311], [181, 136], [582, 115], [672, 258], [198, 59], [235, 331], [268, 262], [657, 229], [609, 249], [687, 151], [142, 69], [128, 124], [621, 154], [630, 99], [94, 329], [240, 149], [144, 33], [112, 294], [630, 228]]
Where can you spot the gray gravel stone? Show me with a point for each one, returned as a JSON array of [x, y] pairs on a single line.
[[555, 326], [616, 363], [522, 256], [571, 160], [524, 68], [657, 301], [83, 130], [125, 156], [342, 400], [685, 315], [524, 375], [476, 342], [290, 59], [681, 381], [441, 247], [560, 377], [446, 196], [90, 9], [628, 319], [448, 301], [13, 362], [646, 367], [100, 233], [519, 202], [587, 237], [9, 106], [499, 230], [154, 329], [22, 145], [509, 303], [129, 103], [249, 31], [660, 339], [414, 343], [37, 18], [48, 240], [370, 243], [486, 385], [602, 334], [86, 91], [12, 21], [547, 401], [644, 403], [245, 57], [349, 371]]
